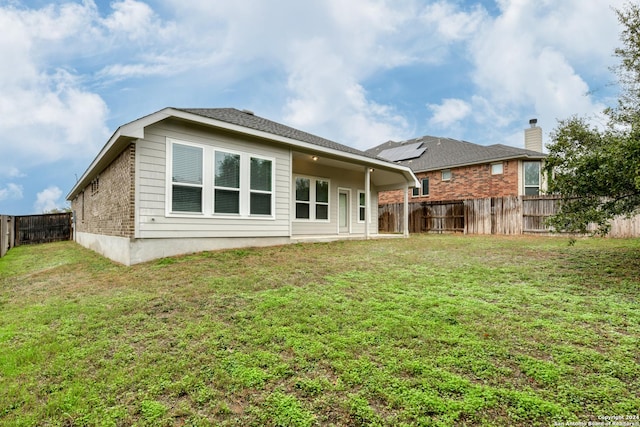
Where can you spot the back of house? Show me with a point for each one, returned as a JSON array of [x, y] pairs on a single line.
[[187, 180]]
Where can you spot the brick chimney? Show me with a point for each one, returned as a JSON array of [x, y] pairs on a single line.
[[533, 137]]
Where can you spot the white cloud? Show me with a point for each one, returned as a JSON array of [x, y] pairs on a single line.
[[132, 18], [48, 199], [46, 114], [11, 191], [451, 23], [536, 57], [450, 111]]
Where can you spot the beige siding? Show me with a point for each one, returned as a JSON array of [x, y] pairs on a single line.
[[152, 221], [339, 179]]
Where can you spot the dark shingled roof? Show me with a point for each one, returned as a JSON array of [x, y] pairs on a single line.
[[445, 153], [251, 121]]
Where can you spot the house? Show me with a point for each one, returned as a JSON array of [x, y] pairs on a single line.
[[449, 169], [186, 180]]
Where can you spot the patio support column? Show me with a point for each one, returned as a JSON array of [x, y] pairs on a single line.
[[367, 202], [406, 211]]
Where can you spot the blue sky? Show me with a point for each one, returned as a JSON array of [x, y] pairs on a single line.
[[359, 72]]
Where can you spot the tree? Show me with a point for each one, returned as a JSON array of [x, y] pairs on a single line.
[[597, 171]]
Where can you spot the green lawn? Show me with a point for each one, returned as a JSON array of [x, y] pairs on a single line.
[[431, 330]]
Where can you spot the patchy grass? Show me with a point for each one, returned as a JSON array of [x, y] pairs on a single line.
[[431, 330]]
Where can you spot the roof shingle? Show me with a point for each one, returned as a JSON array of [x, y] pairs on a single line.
[[251, 121], [445, 153]]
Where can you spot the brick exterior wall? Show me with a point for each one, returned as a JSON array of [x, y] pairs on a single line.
[[469, 182], [106, 206]]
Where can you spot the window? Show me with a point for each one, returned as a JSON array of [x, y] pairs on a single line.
[[95, 185], [496, 168], [362, 206], [226, 198], [446, 175], [312, 199], [423, 190], [261, 192], [211, 181], [531, 178], [425, 186], [322, 199], [186, 179], [303, 200]]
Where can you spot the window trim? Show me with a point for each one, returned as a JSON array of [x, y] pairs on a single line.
[[420, 190], [170, 183], [422, 187], [443, 171], [360, 207], [271, 192], [312, 202], [209, 187], [524, 177], [215, 187], [501, 164]]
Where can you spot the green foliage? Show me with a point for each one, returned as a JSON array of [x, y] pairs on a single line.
[[152, 411], [282, 410], [628, 71], [596, 170]]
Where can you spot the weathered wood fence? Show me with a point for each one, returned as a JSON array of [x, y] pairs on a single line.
[[32, 229], [6, 234], [496, 215]]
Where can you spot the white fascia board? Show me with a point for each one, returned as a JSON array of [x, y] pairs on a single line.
[[131, 130]]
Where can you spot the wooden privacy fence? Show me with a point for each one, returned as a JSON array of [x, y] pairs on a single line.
[[496, 215], [31, 229], [6, 234]]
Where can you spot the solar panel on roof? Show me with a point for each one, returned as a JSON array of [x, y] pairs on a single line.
[[403, 152]]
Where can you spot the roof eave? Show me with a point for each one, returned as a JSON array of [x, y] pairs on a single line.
[[542, 156], [135, 130]]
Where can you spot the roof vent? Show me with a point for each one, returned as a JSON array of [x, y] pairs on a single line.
[[249, 112]]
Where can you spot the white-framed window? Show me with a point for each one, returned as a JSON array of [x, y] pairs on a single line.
[[186, 178], [497, 168], [362, 206], [311, 198], [226, 183], [261, 188], [423, 190], [531, 178], [215, 181], [446, 175]]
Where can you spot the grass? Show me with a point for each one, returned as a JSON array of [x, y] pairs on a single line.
[[431, 330]]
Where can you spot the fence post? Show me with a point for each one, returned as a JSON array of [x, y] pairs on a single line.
[[4, 235]]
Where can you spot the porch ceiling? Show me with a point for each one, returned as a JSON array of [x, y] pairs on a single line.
[[380, 177]]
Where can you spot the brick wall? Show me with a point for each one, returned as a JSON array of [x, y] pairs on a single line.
[[469, 182], [106, 205]]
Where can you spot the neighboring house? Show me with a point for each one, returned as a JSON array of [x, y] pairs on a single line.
[[187, 180], [450, 169]]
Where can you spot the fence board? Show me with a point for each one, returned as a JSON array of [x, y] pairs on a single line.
[[498, 215], [46, 228]]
